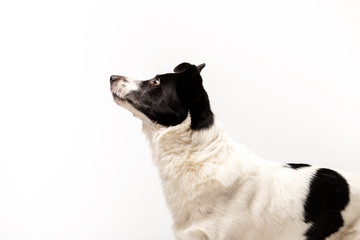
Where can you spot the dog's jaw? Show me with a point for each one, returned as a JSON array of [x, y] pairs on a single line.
[[120, 88]]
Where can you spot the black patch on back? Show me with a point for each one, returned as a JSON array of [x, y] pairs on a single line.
[[328, 195], [178, 94], [298, 165]]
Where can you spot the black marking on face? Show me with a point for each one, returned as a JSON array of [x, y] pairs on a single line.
[[297, 165], [329, 195], [158, 101], [168, 98]]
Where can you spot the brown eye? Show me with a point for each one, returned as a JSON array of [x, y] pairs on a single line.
[[155, 82]]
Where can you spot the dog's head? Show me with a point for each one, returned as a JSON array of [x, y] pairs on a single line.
[[166, 99]]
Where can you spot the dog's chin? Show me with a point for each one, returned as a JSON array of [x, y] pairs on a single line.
[[119, 100], [122, 102]]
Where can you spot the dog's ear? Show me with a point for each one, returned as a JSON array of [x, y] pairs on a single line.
[[193, 95], [201, 66], [182, 67], [189, 75], [190, 80]]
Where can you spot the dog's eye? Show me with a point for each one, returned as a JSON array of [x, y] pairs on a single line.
[[155, 82]]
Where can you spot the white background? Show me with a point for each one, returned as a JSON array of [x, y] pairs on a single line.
[[282, 76]]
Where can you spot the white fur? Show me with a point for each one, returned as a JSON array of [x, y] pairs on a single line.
[[216, 189]]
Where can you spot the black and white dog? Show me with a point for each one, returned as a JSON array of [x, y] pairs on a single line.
[[216, 189]]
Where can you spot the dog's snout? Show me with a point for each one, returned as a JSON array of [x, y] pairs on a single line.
[[115, 77]]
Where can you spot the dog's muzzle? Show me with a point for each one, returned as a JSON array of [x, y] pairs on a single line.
[[120, 86], [114, 78]]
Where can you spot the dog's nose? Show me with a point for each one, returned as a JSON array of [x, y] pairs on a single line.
[[114, 78]]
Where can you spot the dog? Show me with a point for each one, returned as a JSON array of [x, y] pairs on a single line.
[[216, 189]]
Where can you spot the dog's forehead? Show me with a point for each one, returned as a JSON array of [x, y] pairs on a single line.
[[168, 76], [182, 71]]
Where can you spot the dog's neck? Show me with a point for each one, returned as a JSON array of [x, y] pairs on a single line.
[[188, 161], [181, 140]]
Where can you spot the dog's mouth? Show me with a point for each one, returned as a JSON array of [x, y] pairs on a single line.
[[117, 90], [116, 97]]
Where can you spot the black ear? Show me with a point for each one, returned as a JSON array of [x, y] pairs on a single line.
[[182, 67], [201, 66], [193, 95], [185, 66]]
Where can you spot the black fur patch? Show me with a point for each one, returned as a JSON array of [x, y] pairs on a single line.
[[193, 95], [298, 165], [328, 195], [177, 94], [159, 103]]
